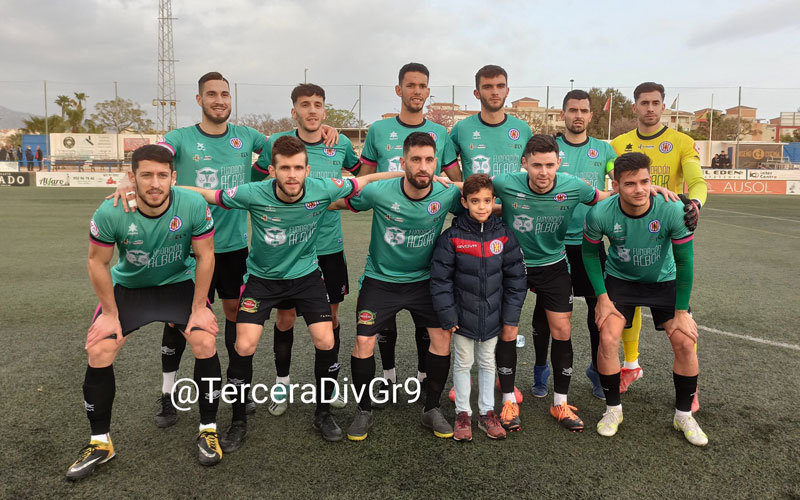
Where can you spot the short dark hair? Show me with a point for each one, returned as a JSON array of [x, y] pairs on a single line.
[[475, 183], [416, 139], [489, 71], [307, 90], [213, 75], [412, 67], [541, 143], [152, 152], [577, 94], [630, 162], [647, 87], [288, 145]]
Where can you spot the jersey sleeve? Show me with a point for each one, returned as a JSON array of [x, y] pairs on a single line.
[[369, 154], [617, 144], [172, 141], [236, 197], [340, 188], [351, 161], [454, 138], [692, 173], [611, 155], [449, 157], [202, 221], [259, 140], [364, 200], [456, 208], [678, 232], [261, 166], [588, 194], [592, 229], [101, 228]]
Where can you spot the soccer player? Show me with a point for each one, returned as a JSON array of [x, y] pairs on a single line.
[[382, 152], [491, 142], [590, 159], [286, 212], [408, 215], [644, 232], [156, 279], [308, 110], [675, 159]]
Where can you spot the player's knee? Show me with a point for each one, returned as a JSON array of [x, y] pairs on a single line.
[[285, 319], [102, 354], [609, 343], [507, 335], [682, 345], [364, 346], [245, 347], [561, 330], [203, 345], [324, 342], [230, 308]]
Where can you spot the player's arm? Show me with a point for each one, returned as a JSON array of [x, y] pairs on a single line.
[[369, 155], [450, 161], [443, 270], [202, 317], [210, 195], [590, 252], [682, 322], [359, 183], [693, 175], [107, 323]]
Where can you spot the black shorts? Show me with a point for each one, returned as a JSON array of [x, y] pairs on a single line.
[[581, 286], [628, 295], [552, 286], [380, 301], [307, 294], [334, 272], [138, 307], [229, 271]]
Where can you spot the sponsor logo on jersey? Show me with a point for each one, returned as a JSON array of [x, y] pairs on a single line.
[[175, 224], [338, 182], [617, 227], [481, 165], [137, 257], [206, 178], [311, 205], [137, 242], [231, 191], [208, 213], [433, 207], [592, 153], [624, 254], [654, 226], [496, 247], [396, 207], [196, 157], [388, 147], [366, 317], [236, 143], [513, 134], [394, 164], [132, 229], [476, 135], [93, 228], [665, 147], [274, 236], [394, 236], [330, 152], [393, 136], [523, 223], [433, 134], [560, 197], [249, 305]]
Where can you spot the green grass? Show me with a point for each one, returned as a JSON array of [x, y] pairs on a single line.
[[746, 275]]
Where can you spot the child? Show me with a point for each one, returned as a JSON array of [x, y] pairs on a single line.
[[478, 286]]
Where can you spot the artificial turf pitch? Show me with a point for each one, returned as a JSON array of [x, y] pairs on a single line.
[[746, 283]]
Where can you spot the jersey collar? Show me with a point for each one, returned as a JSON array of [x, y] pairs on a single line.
[[169, 204], [650, 137], [406, 125], [650, 209], [528, 183], [505, 119], [297, 134], [275, 192], [574, 145], [403, 190], [214, 136]]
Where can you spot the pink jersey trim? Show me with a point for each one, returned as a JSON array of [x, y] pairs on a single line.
[[367, 161], [218, 198], [591, 240], [100, 243], [355, 188], [166, 145], [203, 236], [683, 240]]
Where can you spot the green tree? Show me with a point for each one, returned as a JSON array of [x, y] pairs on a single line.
[[80, 98], [75, 119], [341, 118], [120, 115], [36, 125], [267, 125], [723, 129], [621, 109], [64, 102]]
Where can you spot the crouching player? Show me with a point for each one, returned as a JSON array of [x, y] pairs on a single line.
[[644, 232], [151, 282]]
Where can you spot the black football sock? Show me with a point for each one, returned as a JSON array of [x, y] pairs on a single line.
[[325, 366], [240, 371], [173, 344], [561, 357], [594, 332], [282, 347], [336, 342], [423, 346], [438, 368], [387, 341], [685, 387], [506, 355], [610, 385], [541, 334], [208, 369], [99, 387], [363, 371]]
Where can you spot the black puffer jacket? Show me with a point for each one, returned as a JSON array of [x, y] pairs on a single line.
[[478, 277]]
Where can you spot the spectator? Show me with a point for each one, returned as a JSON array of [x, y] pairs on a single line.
[[39, 157], [29, 158], [3, 153], [724, 161], [19, 156], [715, 161], [11, 153]]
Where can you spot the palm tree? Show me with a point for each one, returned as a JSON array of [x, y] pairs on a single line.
[[75, 119], [64, 102], [80, 97]]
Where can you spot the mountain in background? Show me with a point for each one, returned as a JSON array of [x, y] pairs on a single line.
[[12, 119]]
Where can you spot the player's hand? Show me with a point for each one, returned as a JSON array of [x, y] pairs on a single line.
[[604, 310], [682, 323], [104, 326], [443, 180], [126, 191], [330, 136], [691, 212], [452, 330], [666, 193], [202, 318]]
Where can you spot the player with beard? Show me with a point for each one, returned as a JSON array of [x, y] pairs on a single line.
[[382, 152], [155, 279], [675, 160]]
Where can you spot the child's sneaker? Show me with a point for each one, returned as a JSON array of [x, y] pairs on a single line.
[[463, 429], [491, 426]]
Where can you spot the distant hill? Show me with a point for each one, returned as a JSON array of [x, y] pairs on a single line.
[[11, 119]]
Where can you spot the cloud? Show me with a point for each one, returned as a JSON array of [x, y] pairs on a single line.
[[760, 20]]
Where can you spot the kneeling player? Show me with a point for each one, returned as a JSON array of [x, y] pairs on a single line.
[[645, 232], [151, 282]]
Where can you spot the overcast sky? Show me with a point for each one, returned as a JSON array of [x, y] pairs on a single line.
[[693, 48]]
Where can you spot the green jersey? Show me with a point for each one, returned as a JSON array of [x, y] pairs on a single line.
[[641, 247], [326, 163], [490, 149], [383, 146], [284, 234], [217, 162], [404, 230], [540, 220], [153, 251], [590, 160]]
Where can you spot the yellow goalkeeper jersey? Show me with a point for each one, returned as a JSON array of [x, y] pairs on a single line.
[[674, 158]]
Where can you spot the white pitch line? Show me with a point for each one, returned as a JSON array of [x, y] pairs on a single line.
[[753, 215]]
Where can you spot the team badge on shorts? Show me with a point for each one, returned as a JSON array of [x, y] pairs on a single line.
[[495, 246], [366, 317], [665, 147], [175, 224], [433, 207], [654, 226], [311, 205], [560, 197], [248, 305], [433, 134], [236, 143], [93, 228], [338, 182], [330, 152], [231, 191], [513, 134], [592, 153]]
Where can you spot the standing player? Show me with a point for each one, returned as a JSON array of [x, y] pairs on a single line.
[[153, 281], [382, 152], [491, 142], [408, 216], [308, 110], [282, 269], [674, 159], [590, 159], [645, 233]]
